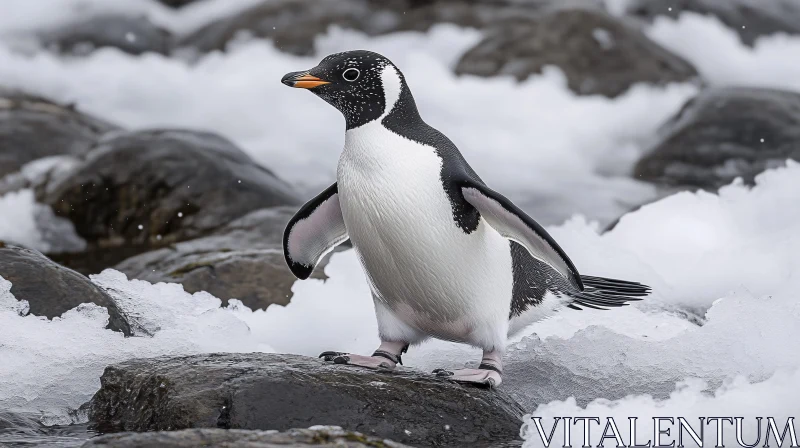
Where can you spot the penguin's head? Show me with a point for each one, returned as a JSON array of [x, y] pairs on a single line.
[[364, 86]]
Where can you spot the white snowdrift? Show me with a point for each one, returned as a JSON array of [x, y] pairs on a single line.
[[750, 257], [723, 60]]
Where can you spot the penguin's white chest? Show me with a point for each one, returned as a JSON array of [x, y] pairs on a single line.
[[428, 271]]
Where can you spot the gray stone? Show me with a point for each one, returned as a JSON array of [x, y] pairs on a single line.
[[273, 391], [33, 127], [751, 19], [293, 24], [139, 191], [243, 260], [722, 134], [51, 289], [241, 438], [134, 35], [598, 53]]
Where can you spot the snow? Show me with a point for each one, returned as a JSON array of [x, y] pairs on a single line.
[[18, 223], [27, 223], [8, 302], [589, 355], [723, 60]]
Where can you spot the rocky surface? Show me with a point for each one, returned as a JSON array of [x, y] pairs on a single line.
[[134, 35], [598, 53], [137, 191], [751, 19], [724, 133], [51, 289], [243, 260], [33, 127], [293, 24], [240, 438], [272, 391]]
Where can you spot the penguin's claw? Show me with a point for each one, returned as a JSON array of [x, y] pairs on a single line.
[[477, 377], [370, 362], [329, 356]]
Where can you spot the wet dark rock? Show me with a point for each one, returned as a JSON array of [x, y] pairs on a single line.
[[177, 3], [272, 391], [134, 35], [25, 429], [51, 289], [293, 24], [22, 422], [241, 438], [243, 260], [33, 127], [751, 19], [598, 53], [139, 191], [722, 134]]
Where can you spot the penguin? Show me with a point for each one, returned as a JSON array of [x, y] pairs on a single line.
[[445, 256]]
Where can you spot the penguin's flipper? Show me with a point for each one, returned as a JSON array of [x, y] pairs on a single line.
[[316, 229], [516, 225]]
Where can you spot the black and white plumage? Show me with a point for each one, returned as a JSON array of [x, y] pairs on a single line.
[[445, 255]]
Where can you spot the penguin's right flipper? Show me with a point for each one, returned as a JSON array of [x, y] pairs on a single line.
[[516, 225], [316, 229]]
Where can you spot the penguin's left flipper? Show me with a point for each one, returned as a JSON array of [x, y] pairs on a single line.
[[316, 229], [477, 377], [516, 225]]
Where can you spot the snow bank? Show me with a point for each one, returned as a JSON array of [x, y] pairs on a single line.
[[18, 220], [750, 260], [723, 60], [27, 223], [736, 254]]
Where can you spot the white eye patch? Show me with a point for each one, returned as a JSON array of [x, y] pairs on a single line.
[[391, 87]]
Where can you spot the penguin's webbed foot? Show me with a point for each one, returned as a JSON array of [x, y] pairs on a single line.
[[370, 362], [489, 378]]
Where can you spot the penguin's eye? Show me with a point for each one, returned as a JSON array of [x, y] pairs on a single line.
[[351, 74]]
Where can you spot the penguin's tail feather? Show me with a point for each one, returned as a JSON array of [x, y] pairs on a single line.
[[602, 293]]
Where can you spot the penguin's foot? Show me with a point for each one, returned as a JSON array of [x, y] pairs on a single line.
[[387, 356], [488, 374], [480, 377], [370, 362]]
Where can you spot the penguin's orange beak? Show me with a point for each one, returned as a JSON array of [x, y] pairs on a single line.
[[302, 80]]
